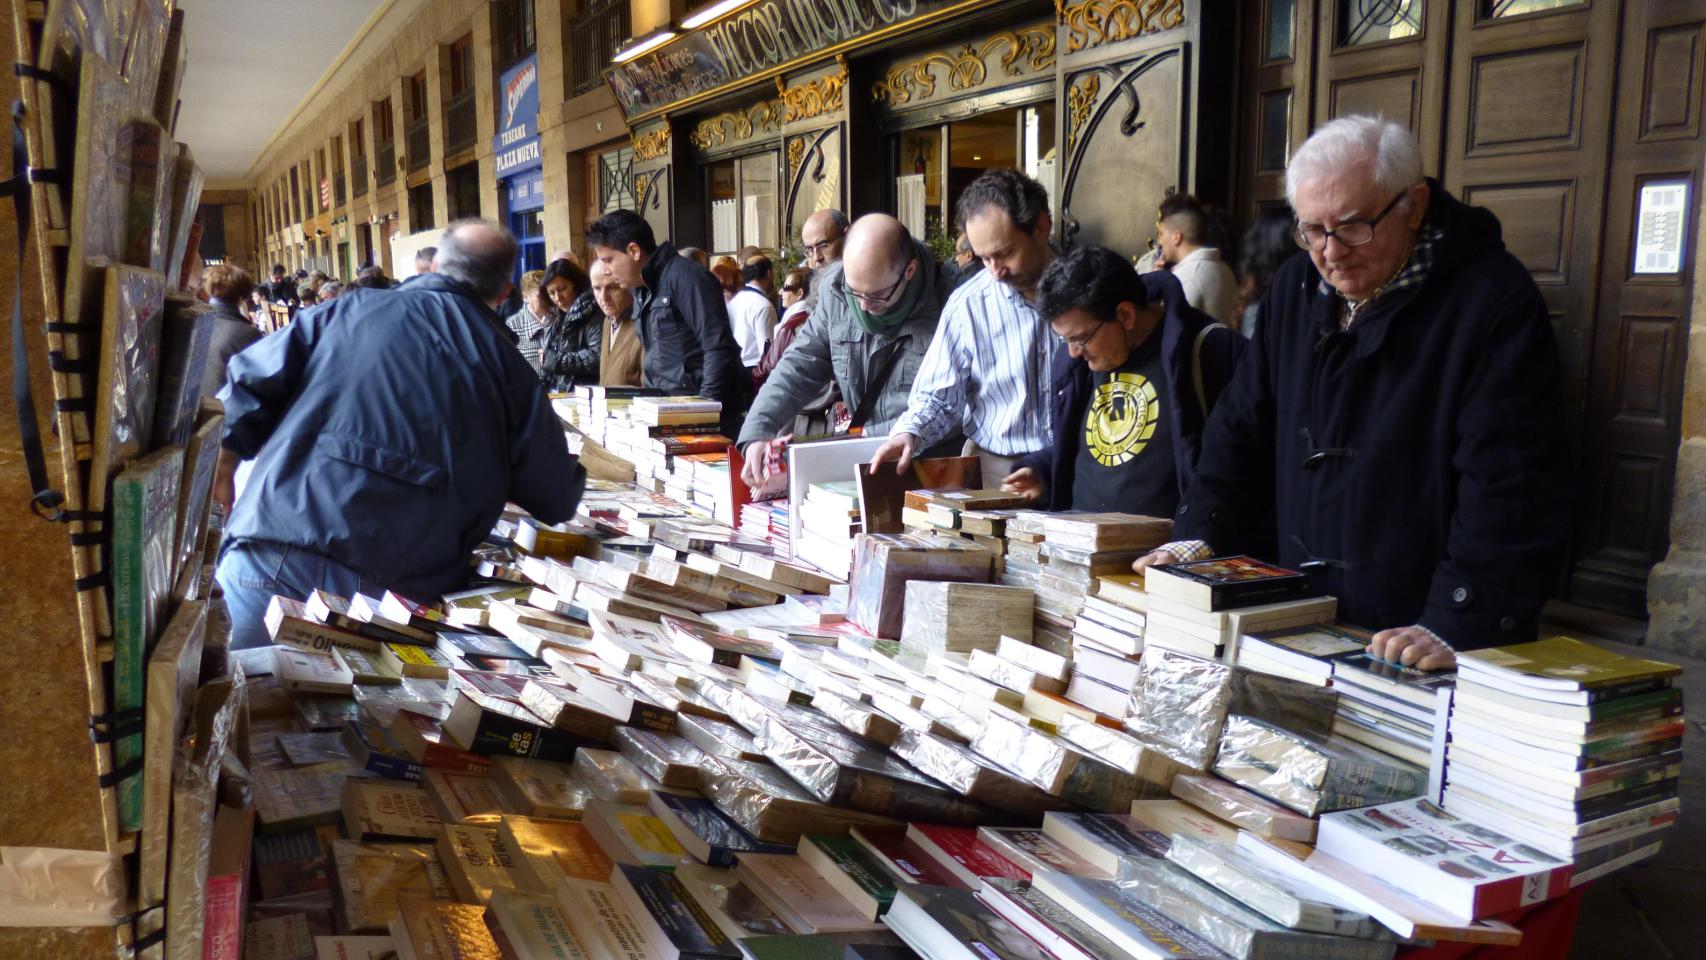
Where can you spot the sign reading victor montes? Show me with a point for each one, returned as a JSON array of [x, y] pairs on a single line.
[[767, 34], [516, 145]]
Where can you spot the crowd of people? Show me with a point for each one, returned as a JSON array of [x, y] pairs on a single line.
[[1371, 396]]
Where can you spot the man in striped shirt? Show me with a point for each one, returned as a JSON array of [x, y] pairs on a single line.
[[987, 370]]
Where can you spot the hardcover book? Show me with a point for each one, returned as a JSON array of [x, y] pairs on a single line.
[[1030, 849], [1104, 839], [883, 565], [145, 501], [1222, 583]]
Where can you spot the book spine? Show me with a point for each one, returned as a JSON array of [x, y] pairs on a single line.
[[222, 921], [1629, 689], [129, 640], [438, 756], [395, 768], [1250, 594], [498, 735]]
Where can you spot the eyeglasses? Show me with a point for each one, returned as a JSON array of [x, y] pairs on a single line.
[[820, 247], [1081, 342], [882, 297], [790, 288], [1351, 233]]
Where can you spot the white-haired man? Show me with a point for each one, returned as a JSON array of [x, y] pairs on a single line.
[[1396, 429]]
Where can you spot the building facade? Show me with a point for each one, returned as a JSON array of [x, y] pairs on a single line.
[[1578, 122]]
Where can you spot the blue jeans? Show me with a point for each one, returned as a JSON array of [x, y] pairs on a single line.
[[251, 572]]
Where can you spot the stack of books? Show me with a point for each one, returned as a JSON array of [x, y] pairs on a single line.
[[767, 520], [829, 520], [1571, 749], [1201, 607], [1395, 709]]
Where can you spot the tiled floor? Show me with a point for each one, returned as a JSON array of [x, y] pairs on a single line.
[[1654, 910]]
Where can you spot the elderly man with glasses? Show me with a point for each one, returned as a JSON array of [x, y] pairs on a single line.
[[1396, 429], [874, 320]]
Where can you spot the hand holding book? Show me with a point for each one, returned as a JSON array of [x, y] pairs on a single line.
[[1023, 482], [1413, 646]]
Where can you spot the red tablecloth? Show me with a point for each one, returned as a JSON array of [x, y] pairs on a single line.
[[1548, 929]]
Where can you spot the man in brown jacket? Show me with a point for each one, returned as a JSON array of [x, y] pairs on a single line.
[[620, 363]]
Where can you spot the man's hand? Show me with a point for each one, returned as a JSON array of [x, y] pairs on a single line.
[[1413, 647], [225, 480], [1153, 558], [1024, 482], [752, 471], [899, 448]]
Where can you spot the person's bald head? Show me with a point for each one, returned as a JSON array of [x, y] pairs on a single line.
[[823, 234], [879, 255], [480, 255]]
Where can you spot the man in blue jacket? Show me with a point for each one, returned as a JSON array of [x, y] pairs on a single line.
[[388, 429], [1131, 391]]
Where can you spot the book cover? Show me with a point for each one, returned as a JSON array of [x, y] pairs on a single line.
[[1221, 583], [375, 879], [1117, 913], [1288, 901], [1414, 686], [293, 863], [465, 798], [848, 867], [145, 500], [629, 833], [541, 788], [300, 671], [1464, 867], [227, 884], [422, 739], [382, 809], [964, 853], [670, 915], [1559, 663], [532, 925], [710, 835], [173, 672], [1030, 849], [730, 903], [436, 928], [477, 861], [549, 850], [493, 726], [374, 749], [186, 330], [285, 937], [798, 894], [1104, 838], [195, 492], [951, 923], [1045, 921]]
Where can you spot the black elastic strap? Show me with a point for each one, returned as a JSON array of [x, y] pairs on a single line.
[[83, 516], [58, 362], [29, 71], [68, 328], [874, 389], [116, 726], [94, 581], [89, 538], [148, 940], [118, 774], [45, 501], [46, 175], [74, 405]]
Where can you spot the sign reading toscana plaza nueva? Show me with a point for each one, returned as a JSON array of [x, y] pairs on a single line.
[[763, 36]]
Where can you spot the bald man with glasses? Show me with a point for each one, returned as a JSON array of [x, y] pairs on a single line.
[[1396, 428]]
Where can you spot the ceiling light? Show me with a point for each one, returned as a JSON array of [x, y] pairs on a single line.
[[706, 14], [977, 156], [641, 45]]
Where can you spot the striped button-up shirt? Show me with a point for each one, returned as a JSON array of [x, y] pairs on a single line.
[[986, 372]]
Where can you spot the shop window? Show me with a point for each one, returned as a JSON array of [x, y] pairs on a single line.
[[1282, 27], [935, 164], [1520, 8], [1376, 21], [743, 202]]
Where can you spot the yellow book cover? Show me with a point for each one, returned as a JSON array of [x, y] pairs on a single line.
[[1559, 663], [440, 930], [478, 862], [549, 850]]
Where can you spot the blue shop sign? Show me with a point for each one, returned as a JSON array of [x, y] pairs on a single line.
[[527, 191], [516, 145]]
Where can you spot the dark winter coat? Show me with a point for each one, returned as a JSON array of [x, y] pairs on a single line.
[[684, 327], [1199, 357], [1416, 463], [572, 346]]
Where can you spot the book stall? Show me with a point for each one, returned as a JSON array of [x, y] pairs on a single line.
[[654, 731], [121, 706]]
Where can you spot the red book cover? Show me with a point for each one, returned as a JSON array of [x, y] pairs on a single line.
[[961, 851], [423, 738], [227, 883], [904, 858]]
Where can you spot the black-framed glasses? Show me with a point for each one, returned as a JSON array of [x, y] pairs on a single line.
[[790, 288], [1351, 233], [820, 247], [885, 295], [1082, 342]]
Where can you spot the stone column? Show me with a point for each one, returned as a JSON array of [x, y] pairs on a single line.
[[1676, 589]]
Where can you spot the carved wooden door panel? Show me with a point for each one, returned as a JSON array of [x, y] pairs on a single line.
[[1385, 57], [1634, 387], [1124, 69]]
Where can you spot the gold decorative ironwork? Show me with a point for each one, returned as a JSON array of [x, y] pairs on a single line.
[[641, 182], [1091, 23], [737, 125], [967, 67], [796, 155], [1080, 100], [651, 146], [814, 97]]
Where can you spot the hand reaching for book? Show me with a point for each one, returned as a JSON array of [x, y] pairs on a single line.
[[899, 448], [1414, 646], [1023, 482], [1153, 558]]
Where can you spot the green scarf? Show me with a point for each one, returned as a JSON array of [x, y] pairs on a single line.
[[898, 313]]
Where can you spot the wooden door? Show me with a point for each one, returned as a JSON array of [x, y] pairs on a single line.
[[1279, 63], [1385, 57], [1635, 388]]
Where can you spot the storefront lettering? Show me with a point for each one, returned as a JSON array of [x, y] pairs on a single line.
[[769, 34]]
